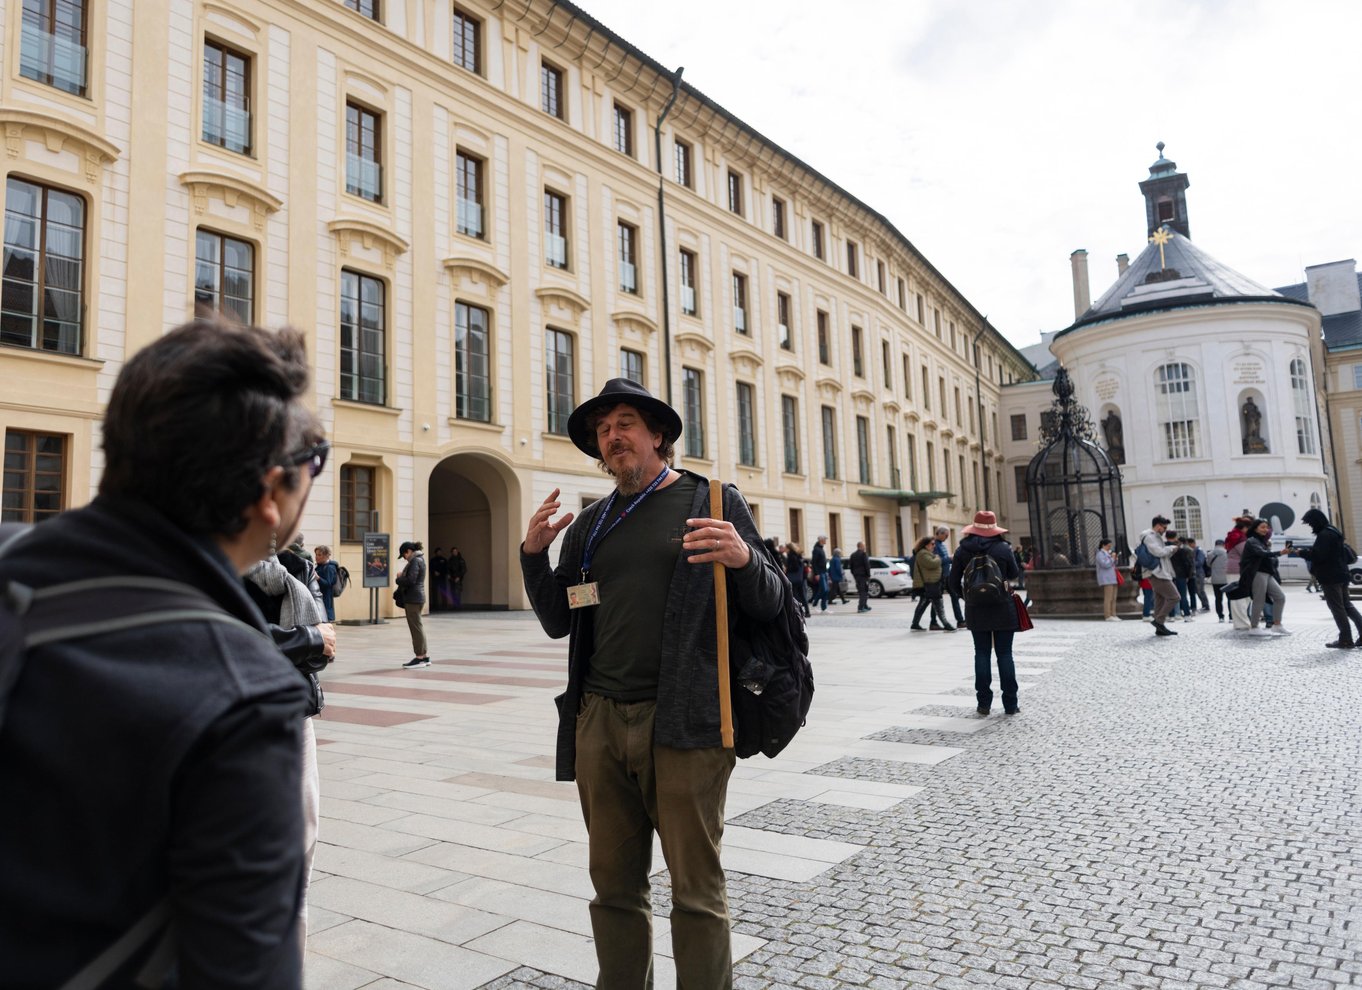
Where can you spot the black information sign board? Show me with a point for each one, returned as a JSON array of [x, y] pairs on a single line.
[[377, 560]]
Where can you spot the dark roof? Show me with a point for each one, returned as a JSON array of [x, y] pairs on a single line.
[[1342, 331], [1184, 276]]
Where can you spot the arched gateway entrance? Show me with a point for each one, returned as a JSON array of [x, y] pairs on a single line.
[[473, 499]]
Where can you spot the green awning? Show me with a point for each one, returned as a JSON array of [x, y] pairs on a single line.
[[903, 497]]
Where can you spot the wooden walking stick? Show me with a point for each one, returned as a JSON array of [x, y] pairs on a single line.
[[716, 511]]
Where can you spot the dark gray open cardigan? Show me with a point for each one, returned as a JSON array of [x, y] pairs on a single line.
[[688, 685]]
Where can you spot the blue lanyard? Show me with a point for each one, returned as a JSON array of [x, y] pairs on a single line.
[[597, 537]]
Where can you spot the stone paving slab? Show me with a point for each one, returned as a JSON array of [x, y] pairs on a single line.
[[1162, 814]]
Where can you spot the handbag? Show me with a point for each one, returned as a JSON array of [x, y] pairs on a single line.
[[1023, 616], [397, 598], [1119, 579]]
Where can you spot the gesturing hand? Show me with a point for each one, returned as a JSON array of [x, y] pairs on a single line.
[[542, 530]]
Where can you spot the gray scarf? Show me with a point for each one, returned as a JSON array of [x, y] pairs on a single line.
[[298, 607]]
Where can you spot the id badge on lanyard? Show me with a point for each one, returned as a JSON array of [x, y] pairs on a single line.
[[588, 593]]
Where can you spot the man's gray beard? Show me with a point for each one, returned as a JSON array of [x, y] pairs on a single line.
[[630, 481]]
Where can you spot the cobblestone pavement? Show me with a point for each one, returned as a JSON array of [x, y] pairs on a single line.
[[1179, 813]]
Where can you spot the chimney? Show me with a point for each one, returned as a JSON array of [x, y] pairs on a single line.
[[1082, 298], [1122, 263], [1333, 287]]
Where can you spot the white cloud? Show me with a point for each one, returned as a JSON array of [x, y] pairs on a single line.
[[999, 136]]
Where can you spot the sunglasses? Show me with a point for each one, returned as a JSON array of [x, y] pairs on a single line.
[[314, 457]]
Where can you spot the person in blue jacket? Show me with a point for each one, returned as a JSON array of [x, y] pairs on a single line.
[[327, 575]]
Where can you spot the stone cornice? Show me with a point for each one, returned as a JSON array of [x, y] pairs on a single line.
[[231, 189], [57, 134], [369, 235]]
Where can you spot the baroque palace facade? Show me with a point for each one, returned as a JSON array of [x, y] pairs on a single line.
[[459, 205]]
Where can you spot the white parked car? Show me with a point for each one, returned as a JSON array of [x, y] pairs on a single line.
[[888, 577]]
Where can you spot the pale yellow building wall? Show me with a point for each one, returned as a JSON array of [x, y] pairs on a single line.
[[132, 148], [1344, 402]]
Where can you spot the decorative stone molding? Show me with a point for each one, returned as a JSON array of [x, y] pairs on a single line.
[[57, 134], [563, 298], [829, 387], [745, 362], [476, 271], [789, 375], [863, 397], [369, 236], [696, 344], [626, 318], [233, 191]]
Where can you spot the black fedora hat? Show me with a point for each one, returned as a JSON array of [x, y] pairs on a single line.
[[616, 391]]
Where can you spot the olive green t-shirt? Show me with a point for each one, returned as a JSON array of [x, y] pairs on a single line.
[[634, 566]]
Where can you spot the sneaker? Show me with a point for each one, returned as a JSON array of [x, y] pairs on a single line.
[[1186, 618], [1112, 618], [1221, 619], [415, 662], [1281, 630], [948, 628], [1012, 711], [1161, 630], [934, 627], [1259, 631]]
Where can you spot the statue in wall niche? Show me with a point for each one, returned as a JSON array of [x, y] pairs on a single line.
[[1251, 421], [1112, 432]]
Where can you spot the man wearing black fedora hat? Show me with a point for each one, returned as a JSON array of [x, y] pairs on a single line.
[[639, 722]]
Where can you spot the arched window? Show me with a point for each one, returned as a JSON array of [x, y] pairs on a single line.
[[1187, 516], [1178, 415], [1304, 406], [1314, 500]]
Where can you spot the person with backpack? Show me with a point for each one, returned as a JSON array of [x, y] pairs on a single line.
[[1329, 560], [150, 747], [639, 722], [1155, 554], [927, 566], [328, 580], [983, 565]]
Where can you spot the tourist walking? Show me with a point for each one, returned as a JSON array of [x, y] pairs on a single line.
[[794, 570], [943, 551], [1183, 562], [1217, 562], [860, 571], [328, 577], [1158, 552], [638, 725], [1199, 574], [836, 576], [1259, 567], [411, 584], [927, 566], [1329, 562], [990, 610], [1106, 579], [818, 563]]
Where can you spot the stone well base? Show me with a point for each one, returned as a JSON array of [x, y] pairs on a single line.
[[1072, 593]]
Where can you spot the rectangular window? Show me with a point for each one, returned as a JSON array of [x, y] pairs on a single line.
[[912, 460], [1357, 376], [366, 8], [946, 470], [936, 322], [783, 321], [921, 309], [891, 441], [879, 273], [560, 378], [747, 426], [1019, 478], [778, 217], [931, 466], [853, 260], [693, 403], [357, 502], [1018, 426], [467, 42], [964, 494], [628, 258], [829, 442], [363, 154], [789, 426], [363, 339], [43, 300], [472, 363], [555, 230], [863, 448], [903, 295], [551, 90], [631, 366], [954, 346], [926, 389], [817, 229], [734, 192], [688, 306], [52, 44], [907, 377], [857, 357], [941, 391], [226, 98], [624, 130], [796, 526], [468, 170], [681, 157], [824, 344], [835, 528], [740, 303], [224, 275], [959, 410], [886, 365], [868, 532], [34, 477]]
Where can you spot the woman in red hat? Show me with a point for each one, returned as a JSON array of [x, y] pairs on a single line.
[[983, 565]]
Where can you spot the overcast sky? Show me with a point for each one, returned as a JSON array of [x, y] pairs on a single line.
[[1000, 135]]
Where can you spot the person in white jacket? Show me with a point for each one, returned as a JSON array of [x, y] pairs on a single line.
[[1161, 577]]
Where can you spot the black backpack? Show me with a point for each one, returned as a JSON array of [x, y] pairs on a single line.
[[1345, 551], [983, 582], [342, 581], [772, 679]]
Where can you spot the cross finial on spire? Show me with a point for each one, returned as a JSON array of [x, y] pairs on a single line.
[[1161, 237]]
